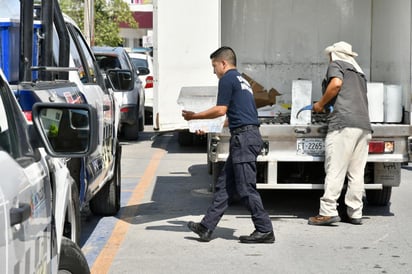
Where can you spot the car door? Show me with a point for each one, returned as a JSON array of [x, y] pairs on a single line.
[[25, 208], [92, 86]]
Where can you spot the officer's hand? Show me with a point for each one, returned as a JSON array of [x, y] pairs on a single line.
[[187, 115], [200, 132]]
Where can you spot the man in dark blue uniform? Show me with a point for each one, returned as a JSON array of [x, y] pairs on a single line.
[[235, 99]]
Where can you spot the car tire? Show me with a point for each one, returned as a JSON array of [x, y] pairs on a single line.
[[72, 259], [131, 132], [72, 223], [141, 122], [107, 200]]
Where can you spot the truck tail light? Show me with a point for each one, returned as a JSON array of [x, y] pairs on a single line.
[[377, 147], [149, 82], [124, 110]]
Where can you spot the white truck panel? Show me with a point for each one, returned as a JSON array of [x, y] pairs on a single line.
[[283, 40], [184, 34], [391, 44]]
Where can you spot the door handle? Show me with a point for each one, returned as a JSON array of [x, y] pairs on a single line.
[[20, 214], [302, 130]]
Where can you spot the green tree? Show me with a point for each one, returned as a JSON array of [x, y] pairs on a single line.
[[107, 17]]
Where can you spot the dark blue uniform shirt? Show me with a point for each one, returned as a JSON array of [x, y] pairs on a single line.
[[235, 93]]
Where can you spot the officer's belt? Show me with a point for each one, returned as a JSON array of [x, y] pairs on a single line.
[[243, 128]]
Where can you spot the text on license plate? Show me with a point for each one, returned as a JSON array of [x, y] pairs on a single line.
[[310, 146]]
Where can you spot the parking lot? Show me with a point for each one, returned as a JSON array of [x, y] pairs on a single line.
[[164, 186]]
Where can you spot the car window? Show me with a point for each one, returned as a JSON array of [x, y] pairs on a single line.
[[13, 135], [137, 62], [4, 128], [78, 62], [108, 62], [87, 54]]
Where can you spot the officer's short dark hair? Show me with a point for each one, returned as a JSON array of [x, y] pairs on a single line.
[[225, 53]]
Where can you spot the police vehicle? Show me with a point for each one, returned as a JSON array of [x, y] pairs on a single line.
[[36, 186]]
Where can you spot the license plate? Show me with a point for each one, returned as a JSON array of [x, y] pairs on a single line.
[[310, 146]]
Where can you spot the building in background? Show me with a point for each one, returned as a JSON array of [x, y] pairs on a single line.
[[143, 14]]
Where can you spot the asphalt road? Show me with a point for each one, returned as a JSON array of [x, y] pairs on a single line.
[[164, 186]]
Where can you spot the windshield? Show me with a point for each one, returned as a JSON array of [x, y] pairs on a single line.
[[137, 62]]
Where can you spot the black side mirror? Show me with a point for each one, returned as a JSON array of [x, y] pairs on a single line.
[[66, 130], [143, 70], [120, 79]]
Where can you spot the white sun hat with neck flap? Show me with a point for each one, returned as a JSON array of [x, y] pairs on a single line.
[[343, 51]]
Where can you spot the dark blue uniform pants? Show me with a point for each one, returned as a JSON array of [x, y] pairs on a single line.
[[239, 175]]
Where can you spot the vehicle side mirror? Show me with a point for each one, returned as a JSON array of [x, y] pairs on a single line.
[[66, 130], [120, 79], [143, 71]]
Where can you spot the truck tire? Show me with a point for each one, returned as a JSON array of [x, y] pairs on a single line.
[[107, 200], [209, 167], [185, 138], [131, 132], [72, 223], [379, 197], [72, 259]]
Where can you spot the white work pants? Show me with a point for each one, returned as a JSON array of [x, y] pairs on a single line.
[[346, 152]]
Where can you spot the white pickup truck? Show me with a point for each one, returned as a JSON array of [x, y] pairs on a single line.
[[36, 187], [53, 50]]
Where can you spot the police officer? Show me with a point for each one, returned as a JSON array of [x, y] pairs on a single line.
[[235, 99]]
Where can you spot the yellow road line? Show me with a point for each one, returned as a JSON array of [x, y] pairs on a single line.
[[108, 253]]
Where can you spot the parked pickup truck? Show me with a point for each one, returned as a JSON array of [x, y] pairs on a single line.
[[53, 50], [36, 189]]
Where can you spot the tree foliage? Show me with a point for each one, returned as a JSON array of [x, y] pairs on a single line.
[[107, 17]]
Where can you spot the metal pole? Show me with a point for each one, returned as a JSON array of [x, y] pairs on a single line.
[[89, 21]]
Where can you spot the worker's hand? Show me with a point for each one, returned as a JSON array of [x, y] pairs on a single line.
[[317, 107], [200, 132], [187, 115]]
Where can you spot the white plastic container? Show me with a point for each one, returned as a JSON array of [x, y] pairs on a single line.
[[376, 95], [393, 104], [198, 99], [301, 97]]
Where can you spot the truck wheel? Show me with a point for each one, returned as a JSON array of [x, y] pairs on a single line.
[[72, 223], [185, 138], [72, 259], [379, 197], [209, 167], [216, 169], [131, 132], [107, 200]]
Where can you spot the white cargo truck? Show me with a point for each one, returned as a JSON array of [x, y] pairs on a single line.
[[280, 43]]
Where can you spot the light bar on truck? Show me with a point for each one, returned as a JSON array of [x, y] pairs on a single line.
[[379, 147]]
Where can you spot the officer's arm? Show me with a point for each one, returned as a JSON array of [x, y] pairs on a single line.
[[211, 113]]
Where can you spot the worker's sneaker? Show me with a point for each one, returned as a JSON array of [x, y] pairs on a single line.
[[258, 237], [323, 220], [200, 230]]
